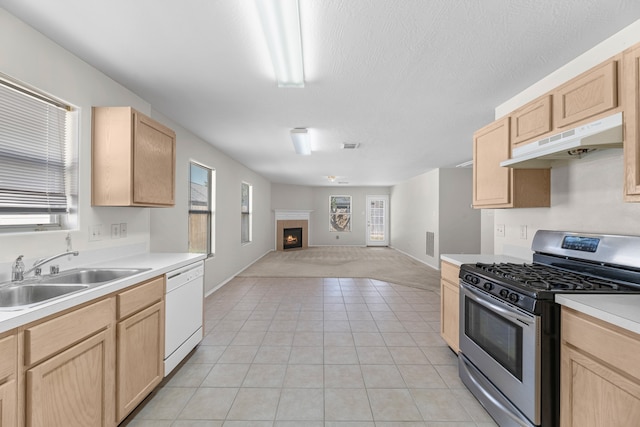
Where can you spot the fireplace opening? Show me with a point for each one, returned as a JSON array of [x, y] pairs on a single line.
[[292, 238]]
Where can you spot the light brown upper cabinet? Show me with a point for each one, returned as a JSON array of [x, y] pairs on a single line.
[[588, 95], [631, 96], [133, 159], [531, 121], [499, 187]]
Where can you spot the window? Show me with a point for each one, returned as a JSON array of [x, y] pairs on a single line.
[[245, 212], [201, 208], [38, 162], [339, 213]]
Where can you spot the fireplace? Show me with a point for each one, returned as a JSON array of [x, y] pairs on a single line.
[[292, 238], [286, 223]]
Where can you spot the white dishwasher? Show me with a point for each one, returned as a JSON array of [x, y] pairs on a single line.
[[184, 304]]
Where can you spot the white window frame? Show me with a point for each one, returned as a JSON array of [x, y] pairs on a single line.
[[211, 203], [11, 222], [335, 226], [246, 214]]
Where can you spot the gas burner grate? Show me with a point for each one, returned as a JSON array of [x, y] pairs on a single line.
[[542, 277]]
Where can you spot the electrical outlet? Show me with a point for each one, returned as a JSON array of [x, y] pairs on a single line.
[[523, 231], [500, 230], [95, 232], [123, 230], [115, 231]]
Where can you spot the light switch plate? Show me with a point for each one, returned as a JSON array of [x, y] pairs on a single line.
[[115, 231], [95, 232], [123, 230]]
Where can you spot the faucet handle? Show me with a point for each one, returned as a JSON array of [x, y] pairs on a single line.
[[17, 269], [54, 269]]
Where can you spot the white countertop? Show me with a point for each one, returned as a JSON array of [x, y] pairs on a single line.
[[619, 310], [158, 263], [459, 259]]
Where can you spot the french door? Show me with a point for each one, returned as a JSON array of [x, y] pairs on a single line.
[[377, 220]]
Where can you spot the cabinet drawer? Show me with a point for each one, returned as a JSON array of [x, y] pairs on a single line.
[[140, 297], [45, 339], [607, 342], [449, 272], [8, 357]]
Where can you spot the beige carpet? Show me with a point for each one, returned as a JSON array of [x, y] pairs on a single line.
[[383, 264]]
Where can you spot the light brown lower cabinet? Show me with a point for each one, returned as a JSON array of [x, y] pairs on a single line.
[[450, 304], [74, 388], [70, 368], [600, 375], [140, 342], [87, 367], [8, 404], [8, 385]]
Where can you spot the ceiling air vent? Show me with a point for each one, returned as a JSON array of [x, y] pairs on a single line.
[[349, 146]]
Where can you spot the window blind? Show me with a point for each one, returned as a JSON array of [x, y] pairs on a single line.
[[33, 148]]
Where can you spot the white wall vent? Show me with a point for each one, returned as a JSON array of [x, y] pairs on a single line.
[[350, 146], [431, 243]]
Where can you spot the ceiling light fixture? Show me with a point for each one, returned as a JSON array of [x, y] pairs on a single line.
[[331, 178], [301, 141], [281, 25]]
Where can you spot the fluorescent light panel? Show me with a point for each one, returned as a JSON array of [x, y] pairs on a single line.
[[281, 25], [301, 141]]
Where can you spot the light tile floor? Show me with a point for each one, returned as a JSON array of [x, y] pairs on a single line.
[[312, 353]]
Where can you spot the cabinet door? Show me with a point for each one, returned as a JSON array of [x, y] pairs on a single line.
[[531, 121], [8, 404], [140, 357], [631, 73], [154, 162], [588, 95], [491, 182], [594, 395], [450, 314], [74, 388]]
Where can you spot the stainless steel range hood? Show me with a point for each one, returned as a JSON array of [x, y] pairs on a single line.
[[570, 144]]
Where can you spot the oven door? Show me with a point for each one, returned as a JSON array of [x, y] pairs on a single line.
[[502, 343]]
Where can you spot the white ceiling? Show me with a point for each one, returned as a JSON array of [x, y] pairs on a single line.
[[410, 80]]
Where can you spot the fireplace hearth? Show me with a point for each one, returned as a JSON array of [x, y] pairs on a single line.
[[292, 238]]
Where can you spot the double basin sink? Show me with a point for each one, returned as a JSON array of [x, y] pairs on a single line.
[[33, 291]]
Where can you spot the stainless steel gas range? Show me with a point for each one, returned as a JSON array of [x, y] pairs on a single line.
[[510, 325]]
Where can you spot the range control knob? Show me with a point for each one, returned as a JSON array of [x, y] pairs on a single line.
[[471, 279], [514, 297], [487, 286], [504, 293]]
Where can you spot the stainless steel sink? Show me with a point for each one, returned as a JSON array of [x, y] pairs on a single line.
[[24, 295], [37, 290], [91, 276]]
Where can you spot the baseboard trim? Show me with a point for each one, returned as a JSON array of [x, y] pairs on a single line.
[[221, 284], [437, 267]]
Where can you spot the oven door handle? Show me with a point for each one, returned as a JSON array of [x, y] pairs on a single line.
[[481, 299]]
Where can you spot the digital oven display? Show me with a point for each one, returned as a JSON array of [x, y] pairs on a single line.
[[579, 243]]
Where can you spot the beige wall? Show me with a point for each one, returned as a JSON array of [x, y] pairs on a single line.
[[316, 199], [438, 201], [30, 57], [586, 194], [169, 227]]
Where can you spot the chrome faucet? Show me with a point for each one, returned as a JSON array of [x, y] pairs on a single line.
[[18, 272]]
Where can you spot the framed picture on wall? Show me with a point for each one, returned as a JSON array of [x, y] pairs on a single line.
[[340, 213]]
